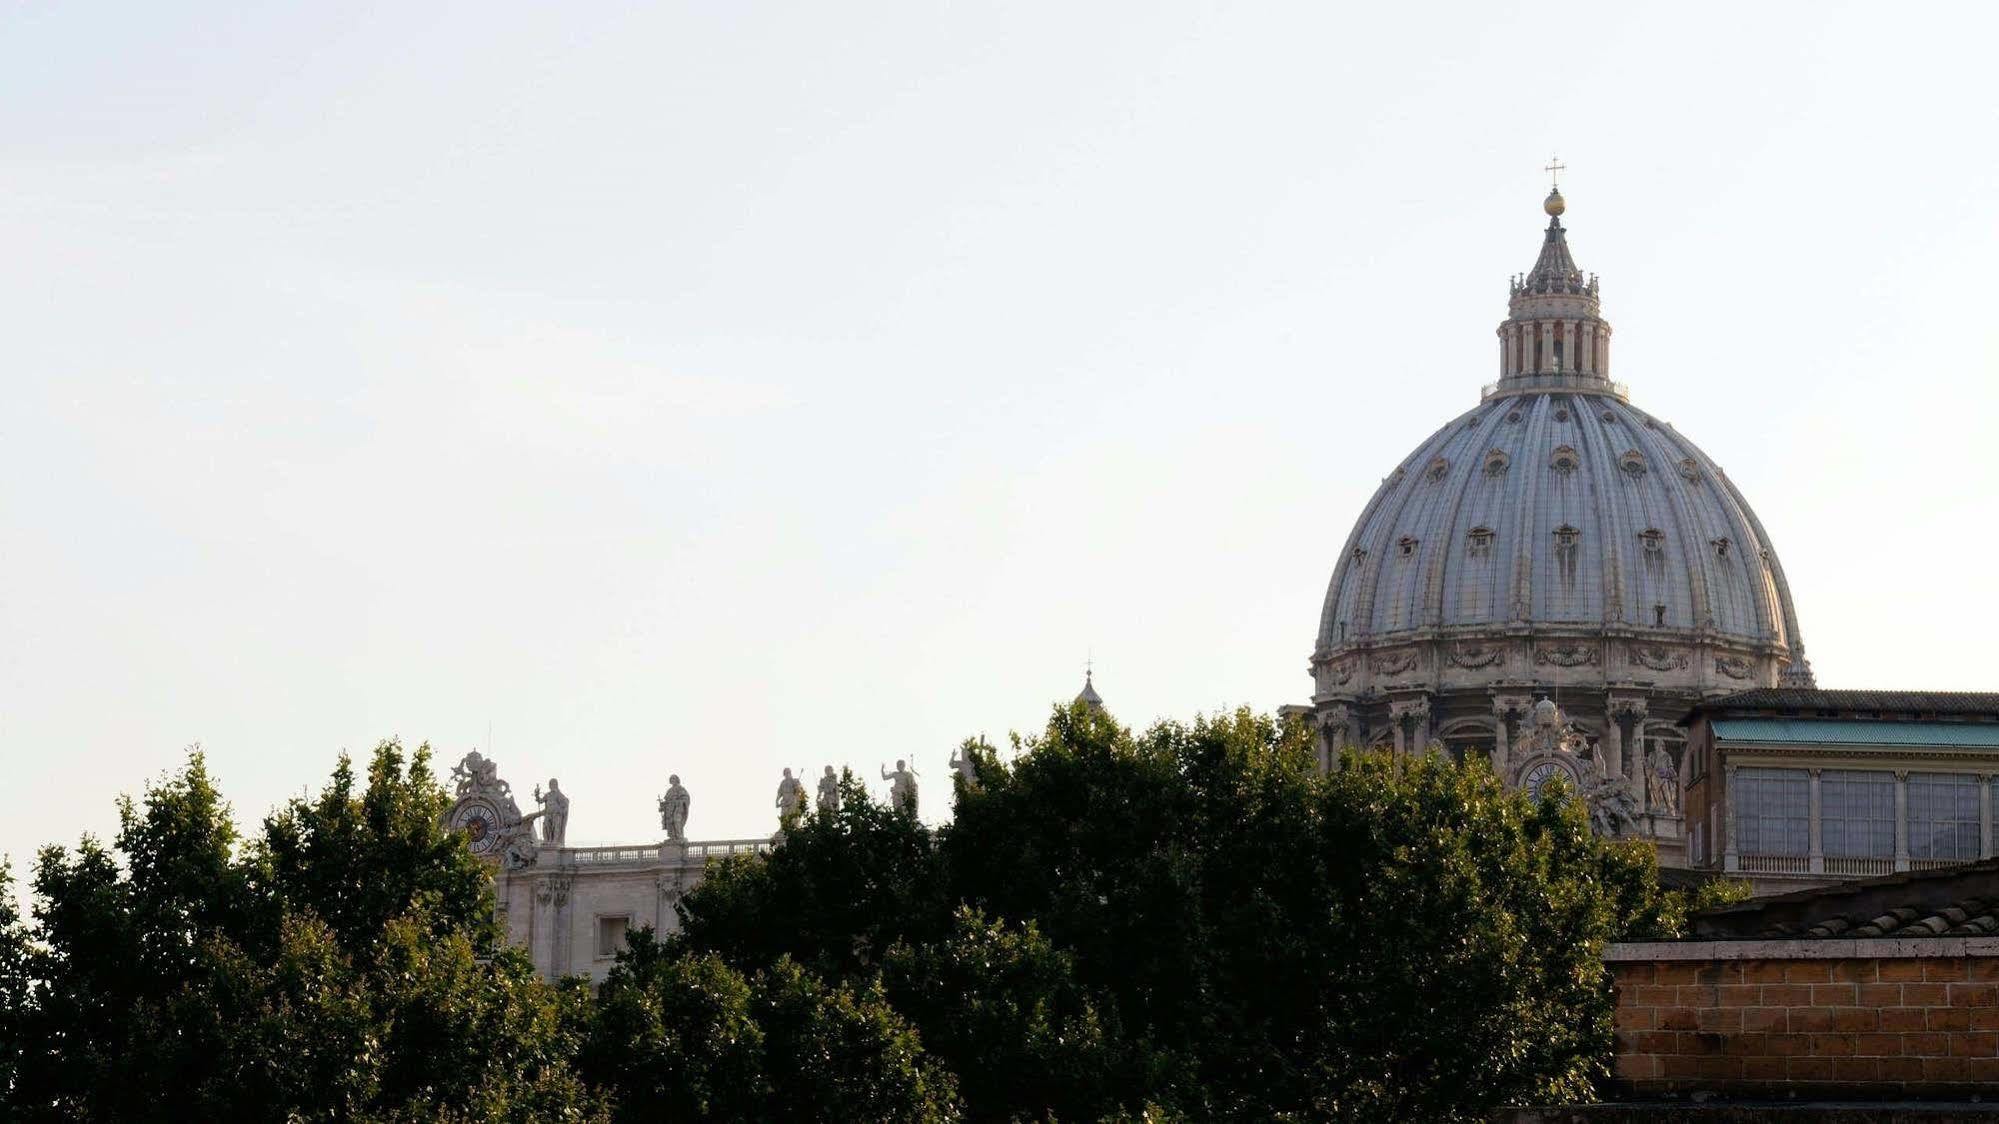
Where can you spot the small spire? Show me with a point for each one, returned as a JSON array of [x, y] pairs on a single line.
[[1088, 695]]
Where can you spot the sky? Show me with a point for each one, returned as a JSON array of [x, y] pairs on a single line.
[[635, 389]]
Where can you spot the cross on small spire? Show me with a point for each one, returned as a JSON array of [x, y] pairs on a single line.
[[1555, 169]]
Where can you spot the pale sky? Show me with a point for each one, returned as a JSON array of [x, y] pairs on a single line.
[[711, 388]]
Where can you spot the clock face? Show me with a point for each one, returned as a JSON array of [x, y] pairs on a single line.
[[480, 820], [1537, 778]]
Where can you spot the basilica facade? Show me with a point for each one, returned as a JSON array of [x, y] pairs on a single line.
[[1554, 541]]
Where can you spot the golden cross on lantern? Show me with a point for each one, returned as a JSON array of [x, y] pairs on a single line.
[[1555, 169]]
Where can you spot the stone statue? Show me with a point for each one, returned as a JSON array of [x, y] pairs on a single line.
[[968, 770], [1613, 807], [902, 786], [673, 810], [1662, 781], [790, 797], [829, 793], [555, 812]]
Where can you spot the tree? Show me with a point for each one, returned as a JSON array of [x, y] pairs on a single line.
[[340, 967], [843, 888], [680, 1035], [1003, 1007], [1398, 939]]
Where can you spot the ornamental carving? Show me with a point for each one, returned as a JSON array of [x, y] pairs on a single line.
[[1734, 667], [1566, 655], [1658, 658], [1339, 672], [1474, 655], [1394, 663], [485, 812]]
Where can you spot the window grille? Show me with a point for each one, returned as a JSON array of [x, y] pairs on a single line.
[[1857, 814], [1773, 811], [1943, 816]]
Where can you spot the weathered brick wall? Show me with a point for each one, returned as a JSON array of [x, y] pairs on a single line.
[[1858, 1026]]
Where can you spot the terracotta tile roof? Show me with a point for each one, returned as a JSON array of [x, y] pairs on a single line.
[[1801, 700], [1956, 901]]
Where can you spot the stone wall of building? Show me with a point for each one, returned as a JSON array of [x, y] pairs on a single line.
[[1820, 1018]]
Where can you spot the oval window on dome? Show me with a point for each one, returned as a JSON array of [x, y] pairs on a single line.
[[1653, 540], [1407, 545], [1565, 460], [1478, 542], [1632, 463], [1438, 468], [1496, 462]]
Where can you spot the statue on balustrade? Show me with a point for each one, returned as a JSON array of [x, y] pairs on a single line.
[[961, 760], [555, 812], [829, 793], [902, 787], [673, 810], [790, 797]]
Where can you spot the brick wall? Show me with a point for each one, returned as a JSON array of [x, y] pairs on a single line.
[[1796, 1021]]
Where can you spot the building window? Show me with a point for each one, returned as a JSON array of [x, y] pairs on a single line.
[[1773, 811], [1943, 816], [1857, 814], [611, 936]]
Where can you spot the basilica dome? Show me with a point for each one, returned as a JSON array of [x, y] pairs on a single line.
[[1553, 539]]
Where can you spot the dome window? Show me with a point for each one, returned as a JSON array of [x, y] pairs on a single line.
[[1721, 546], [1438, 468], [1359, 555], [1407, 545], [1496, 462], [1632, 463], [1653, 540], [1609, 418], [1690, 471], [1478, 542], [1561, 415], [1514, 417], [1565, 460], [1566, 538]]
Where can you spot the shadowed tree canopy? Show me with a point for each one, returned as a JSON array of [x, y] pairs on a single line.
[[1188, 923], [1215, 926]]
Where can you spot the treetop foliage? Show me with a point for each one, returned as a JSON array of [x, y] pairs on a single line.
[[1185, 923]]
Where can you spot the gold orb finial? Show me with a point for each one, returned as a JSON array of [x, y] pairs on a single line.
[[1554, 204]]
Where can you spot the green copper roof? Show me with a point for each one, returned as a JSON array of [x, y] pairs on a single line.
[[1806, 731]]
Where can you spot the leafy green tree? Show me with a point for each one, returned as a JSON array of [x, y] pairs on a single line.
[[14, 985], [674, 1034], [1395, 940], [680, 1035], [358, 860], [341, 967], [842, 1053], [1002, 1006], [841, 891]]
